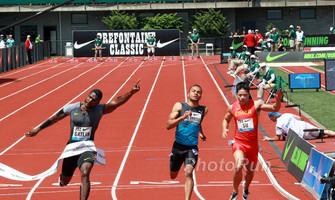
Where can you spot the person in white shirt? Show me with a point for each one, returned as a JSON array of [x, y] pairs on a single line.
[[288, 121], [300, 38]]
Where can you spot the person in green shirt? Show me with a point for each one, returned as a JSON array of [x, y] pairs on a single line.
[[332, 31], [275, 40], [244, 66], [151, 42], [264, 47], [268, 82], [189, 42], [38, 39], [253, 72], [233, 57], [195, 42], [233, 54], [239, 61], [98, 46], [292, 36]]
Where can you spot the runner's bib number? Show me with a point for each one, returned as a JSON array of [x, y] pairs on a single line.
[[245, 125], [81, 133]]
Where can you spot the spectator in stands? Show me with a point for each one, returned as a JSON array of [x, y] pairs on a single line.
[[268, 82], [332, 31], [292, 36], [2, 38], [10, 41], [38, 39], [243, 34], [250, 41], [288, 121], [264, 47], [236, 34], [231, 35], [2, 42], [299, 39], [195, 42], [29, 49], [267, 40], [258, 37], [274, 39]]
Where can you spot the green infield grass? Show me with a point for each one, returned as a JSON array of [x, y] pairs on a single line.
[[319, 105]]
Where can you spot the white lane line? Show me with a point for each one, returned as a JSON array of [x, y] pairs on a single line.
[[4, 151], [41, 180], [30, 86], [16, 80], [116, 181], [46, 94], [273, 180], [195, 188], [126, 80], [23, 68], [29, 74]]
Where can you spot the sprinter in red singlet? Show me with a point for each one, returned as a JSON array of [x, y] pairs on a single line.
[[245, 145]]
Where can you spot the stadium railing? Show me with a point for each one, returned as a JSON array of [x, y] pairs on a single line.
[[16, 57]]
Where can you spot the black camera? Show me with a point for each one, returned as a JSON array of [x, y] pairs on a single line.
[[327, 180]]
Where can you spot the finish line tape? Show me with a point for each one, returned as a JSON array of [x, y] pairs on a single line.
[[70, 150]]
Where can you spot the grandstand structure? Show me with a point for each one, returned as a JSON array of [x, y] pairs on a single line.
[[57, 26]]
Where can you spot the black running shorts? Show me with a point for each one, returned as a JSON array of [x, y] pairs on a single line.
[[70, 164], [183, 154]]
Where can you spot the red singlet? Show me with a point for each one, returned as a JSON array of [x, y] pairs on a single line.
[[246, 129]]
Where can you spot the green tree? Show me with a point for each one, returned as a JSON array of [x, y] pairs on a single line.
[[120, 20], [164, 21], [210, 23]]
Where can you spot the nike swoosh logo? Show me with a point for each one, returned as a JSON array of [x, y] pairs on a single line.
[[287, 148], [78, 46], [236, 46], [269, 58], [161, 45]]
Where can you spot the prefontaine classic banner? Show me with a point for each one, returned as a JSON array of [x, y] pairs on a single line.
[[126, 43]]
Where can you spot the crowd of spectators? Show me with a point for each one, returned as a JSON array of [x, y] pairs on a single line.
[[272, 40], [6, 42]]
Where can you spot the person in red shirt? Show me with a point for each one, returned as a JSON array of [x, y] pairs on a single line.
[[250, 41], [29, 49], [259, 38], [245, 144]]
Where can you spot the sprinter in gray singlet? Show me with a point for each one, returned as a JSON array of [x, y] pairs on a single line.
[[85, 118]]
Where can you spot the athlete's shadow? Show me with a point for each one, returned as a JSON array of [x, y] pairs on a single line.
[[5, 80]]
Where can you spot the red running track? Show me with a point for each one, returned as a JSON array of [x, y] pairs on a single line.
[[134, 137]]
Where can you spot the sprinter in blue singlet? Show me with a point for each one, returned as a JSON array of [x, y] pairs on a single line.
[[187, 118]]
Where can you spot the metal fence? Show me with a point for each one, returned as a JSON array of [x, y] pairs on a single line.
[[15, 57]]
